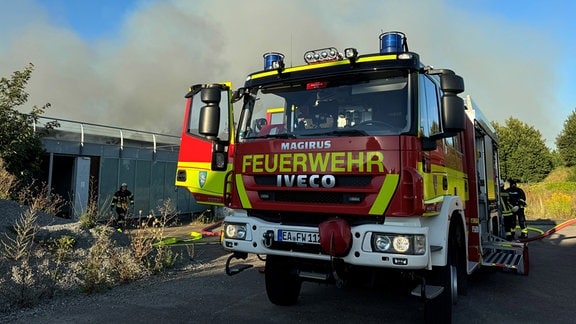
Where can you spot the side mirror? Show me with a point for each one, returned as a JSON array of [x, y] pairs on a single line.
[[453, 114], [219, 157], [451, 83], [209, 119]]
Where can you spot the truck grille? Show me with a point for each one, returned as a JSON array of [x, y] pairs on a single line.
[[312, 197], [289, 195]]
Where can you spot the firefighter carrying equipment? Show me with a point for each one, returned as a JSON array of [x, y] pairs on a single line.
[[517, 198], [122, 198]]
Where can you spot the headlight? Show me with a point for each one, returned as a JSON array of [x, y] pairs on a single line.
[[235, 231], [399, 243], [382, 243]]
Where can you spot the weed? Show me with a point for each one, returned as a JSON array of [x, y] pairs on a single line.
[[142, 239], [33, 275], [7, 181], [96, 268], [19, 245], [107, 264], [89, 218], [154, 257]]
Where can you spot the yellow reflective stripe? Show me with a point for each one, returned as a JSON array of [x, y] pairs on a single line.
[[377, 58], [436, 200], [385, 195], [433, 201], [242, 192]]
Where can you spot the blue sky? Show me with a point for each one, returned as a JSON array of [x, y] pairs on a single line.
[[94, 58], [91, 19]]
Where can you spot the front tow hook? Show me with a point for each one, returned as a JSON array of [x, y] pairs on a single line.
[[239, 267]]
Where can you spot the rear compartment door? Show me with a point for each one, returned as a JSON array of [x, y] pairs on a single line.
[[194, 170]]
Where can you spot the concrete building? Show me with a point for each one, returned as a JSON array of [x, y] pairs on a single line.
[[84, 160]]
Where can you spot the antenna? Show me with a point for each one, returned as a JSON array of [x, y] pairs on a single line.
[[291, 49]]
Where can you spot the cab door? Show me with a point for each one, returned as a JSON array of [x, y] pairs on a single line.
[[197, 168]]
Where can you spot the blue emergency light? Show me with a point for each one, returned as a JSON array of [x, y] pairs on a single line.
[[393, 42], [273, 61]]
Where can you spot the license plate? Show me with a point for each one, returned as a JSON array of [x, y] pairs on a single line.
[[298, 237]]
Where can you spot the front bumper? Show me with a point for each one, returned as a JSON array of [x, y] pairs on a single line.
[[261, 238]]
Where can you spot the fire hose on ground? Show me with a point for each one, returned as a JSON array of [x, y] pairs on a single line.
[[548, 232], [194, 236]]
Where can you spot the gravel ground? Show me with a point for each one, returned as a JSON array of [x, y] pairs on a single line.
[[10, 212], [49, 226], [193, 259]]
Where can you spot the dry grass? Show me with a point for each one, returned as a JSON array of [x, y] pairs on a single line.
[[89, 217], [553, 199], [150, 231], [32, 272], [32, 269], [7, 181], [107, 265]]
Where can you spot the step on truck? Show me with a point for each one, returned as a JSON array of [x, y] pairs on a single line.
[[371, 164]]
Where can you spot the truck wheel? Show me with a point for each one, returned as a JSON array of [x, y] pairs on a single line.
[[526, 260], [282, 283], [439, 309]]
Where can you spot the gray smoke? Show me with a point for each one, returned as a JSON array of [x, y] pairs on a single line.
[[138, 78]]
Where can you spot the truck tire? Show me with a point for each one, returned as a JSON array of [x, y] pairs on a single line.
[[450, 276], [459, 248], [526, 260], [439, 309], [282, 282]]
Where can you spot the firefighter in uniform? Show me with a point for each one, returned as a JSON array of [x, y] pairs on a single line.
[[517, 199], [120, 201], [507, 213]]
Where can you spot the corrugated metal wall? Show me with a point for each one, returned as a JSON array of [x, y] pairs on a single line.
[[81, 157]]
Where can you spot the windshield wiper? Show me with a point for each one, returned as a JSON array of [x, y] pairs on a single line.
[[344, 132], [280, 135]]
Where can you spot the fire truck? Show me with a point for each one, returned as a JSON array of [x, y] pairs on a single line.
[[372, 165]]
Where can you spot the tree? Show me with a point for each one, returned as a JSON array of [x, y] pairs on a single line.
[[566, 141], [20, 145], [523, 153]]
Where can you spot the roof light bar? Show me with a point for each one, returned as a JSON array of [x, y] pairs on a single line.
[[322, 55]]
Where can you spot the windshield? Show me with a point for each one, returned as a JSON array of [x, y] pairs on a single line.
[[350, 106]]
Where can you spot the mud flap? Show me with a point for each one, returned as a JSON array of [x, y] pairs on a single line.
[[427, 292]]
